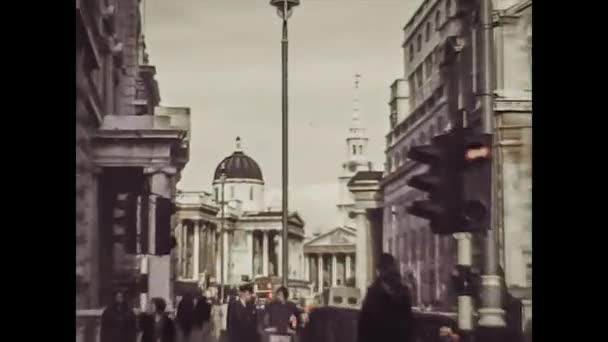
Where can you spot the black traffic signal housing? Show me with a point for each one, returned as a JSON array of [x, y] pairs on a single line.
[[164, 240], [477, 181], [441, 182], [124, 219], [458, 182]]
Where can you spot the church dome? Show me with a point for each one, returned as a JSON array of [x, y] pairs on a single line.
[[239, 165]]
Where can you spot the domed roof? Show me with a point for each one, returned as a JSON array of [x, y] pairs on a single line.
[[239, 165]]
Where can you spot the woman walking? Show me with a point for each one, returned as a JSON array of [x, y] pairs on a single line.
[[184, 318], [201, 329], [118, 321]]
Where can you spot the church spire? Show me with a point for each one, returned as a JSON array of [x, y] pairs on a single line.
[[356, 119]]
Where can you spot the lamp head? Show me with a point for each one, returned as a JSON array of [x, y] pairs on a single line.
[[284, 7]]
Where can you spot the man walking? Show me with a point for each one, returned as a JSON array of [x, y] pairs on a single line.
[[242, 317]]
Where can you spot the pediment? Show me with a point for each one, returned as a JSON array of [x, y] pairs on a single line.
[[338, 236]]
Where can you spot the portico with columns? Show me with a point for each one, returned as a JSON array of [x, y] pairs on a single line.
[[330, 259], [252, 232]]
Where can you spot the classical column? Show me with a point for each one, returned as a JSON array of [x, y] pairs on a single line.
[[251, 253], [279, 253], [226, 258], [307, 267], [348, 267], [320, 271], [265, 253], [204, 246], [178, 237], [161, 183], [363, 270], [195, 255], [334, 270]]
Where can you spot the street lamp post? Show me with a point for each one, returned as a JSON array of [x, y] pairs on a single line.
[[221, 240], [284, 10]]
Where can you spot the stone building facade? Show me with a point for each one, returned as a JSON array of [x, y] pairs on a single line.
[[252, 232], [122, 145], [439, 90]]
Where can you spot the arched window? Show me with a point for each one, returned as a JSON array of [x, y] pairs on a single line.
[[251, 193], [428, 31], [437, 20], [354, 149], [419, 42], [360, 149]]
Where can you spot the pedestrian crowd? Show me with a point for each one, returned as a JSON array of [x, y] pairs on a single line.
[[385, 315]]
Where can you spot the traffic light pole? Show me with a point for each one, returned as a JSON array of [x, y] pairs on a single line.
[[465, 301], [491, 321]]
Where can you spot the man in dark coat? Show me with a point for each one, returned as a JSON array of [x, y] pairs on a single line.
[[242, 317], [156, 326], [118, 321], [386, 314], [281, 315]]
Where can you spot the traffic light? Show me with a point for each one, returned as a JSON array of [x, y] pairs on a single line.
[[164, 239], [477, 181], [124, 220], [458, 182], [441, 182]]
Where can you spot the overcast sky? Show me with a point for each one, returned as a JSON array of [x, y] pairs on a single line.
[[222, 59]]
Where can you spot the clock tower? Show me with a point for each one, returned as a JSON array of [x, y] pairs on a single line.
[[356, 160]]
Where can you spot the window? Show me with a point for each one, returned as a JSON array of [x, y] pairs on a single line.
[[422, 138], [448, 8], [397, 160], [428, 66], [440, 124], [419, 42], [352, 300], [411, 52], [432, 131], [404, 153], [251, 193], [437, 20], [360, 149], [428, 31], [390, 245], [412, 86], [419, 77], [354, 149], [216, 196], [389, 165], [337, 300], [528, 262], [232, 192]]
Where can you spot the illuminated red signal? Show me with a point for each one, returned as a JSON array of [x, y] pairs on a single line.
[[477, 153]]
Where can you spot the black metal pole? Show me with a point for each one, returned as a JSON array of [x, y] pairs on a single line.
[[491, 321], [221, 240], [285, 208]]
